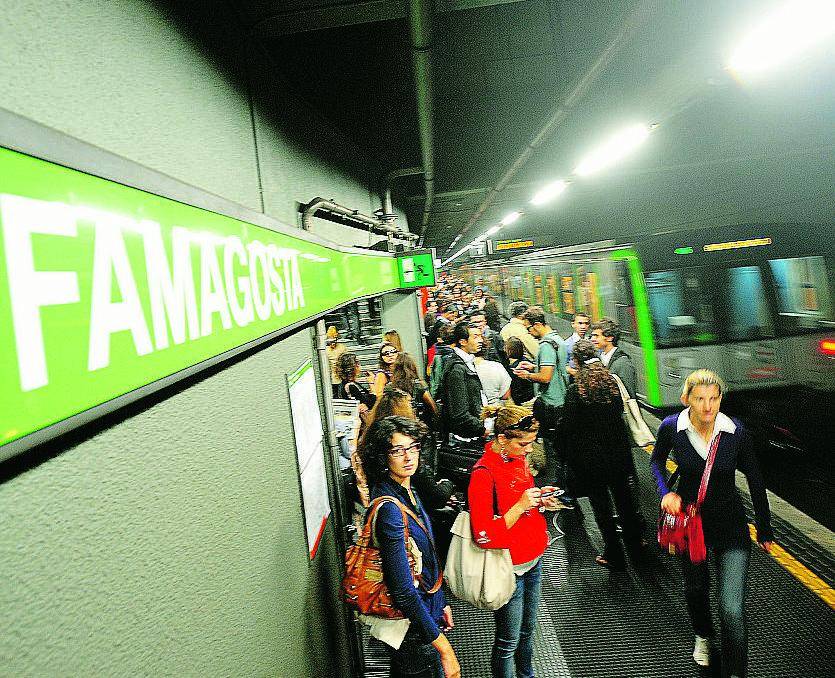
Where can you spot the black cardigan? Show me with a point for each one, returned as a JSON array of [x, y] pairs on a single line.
[[723, 516]]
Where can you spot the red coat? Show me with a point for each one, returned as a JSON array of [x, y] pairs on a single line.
[[528, 537]]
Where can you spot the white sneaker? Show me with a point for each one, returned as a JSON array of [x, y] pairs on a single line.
[[701, 652]]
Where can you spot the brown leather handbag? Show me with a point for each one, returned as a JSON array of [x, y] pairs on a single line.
[[363, 587]]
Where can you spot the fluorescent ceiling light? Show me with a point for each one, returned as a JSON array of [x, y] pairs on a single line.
[[550, 192], [510, 218], [494, 229], [616, 148], [783, 34]]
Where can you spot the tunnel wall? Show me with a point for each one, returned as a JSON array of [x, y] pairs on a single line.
[[171, 540]]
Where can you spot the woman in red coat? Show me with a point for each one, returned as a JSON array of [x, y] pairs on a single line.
[[504, 513]]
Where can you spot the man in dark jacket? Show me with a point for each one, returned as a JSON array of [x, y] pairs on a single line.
[[605, 336], [447, 313], [463, 397]]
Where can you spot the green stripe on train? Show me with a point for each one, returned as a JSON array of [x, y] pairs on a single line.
[[646, 339]]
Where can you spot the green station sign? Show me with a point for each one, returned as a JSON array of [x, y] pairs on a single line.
[[105, 289], [416, 269]]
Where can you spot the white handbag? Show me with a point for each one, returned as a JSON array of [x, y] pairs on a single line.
[[481, 577], [638, 428]]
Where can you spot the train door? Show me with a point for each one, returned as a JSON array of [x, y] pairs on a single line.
[[753, 355], [684, 326]]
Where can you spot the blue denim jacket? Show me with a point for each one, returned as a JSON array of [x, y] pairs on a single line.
[[424, 610]]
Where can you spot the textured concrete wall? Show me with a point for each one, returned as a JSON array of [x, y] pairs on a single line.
[[172, 542], [400, 311]]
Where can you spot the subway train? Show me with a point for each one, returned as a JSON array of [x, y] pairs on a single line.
[[754, 303]]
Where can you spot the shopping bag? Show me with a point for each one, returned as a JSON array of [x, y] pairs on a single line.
[[482, 577]]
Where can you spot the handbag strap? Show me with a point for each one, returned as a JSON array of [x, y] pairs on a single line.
[[406, 511], [711, 456], [624, 394]]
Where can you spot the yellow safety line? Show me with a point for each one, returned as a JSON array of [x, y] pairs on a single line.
[[783, 558]]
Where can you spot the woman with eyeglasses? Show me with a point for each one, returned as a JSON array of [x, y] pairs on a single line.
[[504, 513], [385, 360], [390, 455], [393, 338]]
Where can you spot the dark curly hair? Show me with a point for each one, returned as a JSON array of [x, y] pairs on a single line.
[[346, 367], [594, 382], [376, 444]]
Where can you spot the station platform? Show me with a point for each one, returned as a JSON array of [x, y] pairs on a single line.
[[597, 623]]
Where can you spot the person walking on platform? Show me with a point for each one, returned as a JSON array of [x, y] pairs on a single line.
[[605, 335], [504, 512], [551, 381], [693, 433], [390, 456], [598, 450], [516, 328]]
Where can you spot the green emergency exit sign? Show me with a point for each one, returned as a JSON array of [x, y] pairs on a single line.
[[417, 268]]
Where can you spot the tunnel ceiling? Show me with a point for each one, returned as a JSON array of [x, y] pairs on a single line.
[[724, 152]]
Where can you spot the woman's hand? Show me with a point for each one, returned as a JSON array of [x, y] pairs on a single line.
[[671, 503], [448, 623], [766, 546], [531, 498], [449, 662]]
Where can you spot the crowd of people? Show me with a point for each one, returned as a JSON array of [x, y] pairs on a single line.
[[494, 388]]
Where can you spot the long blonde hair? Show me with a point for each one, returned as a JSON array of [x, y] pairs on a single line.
[[702, 377]]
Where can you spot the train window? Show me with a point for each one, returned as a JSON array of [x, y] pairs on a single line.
[[802, 294], [681, 308], [748, 314]]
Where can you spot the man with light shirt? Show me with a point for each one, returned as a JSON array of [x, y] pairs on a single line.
[[580, 324], [605, 336], [462, 394]]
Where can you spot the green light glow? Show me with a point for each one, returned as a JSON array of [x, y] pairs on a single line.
[[683, 250], [643, 320]]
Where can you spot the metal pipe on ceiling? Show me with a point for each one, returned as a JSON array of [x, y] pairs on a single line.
[[420, 30], [332, 209], [562, 110]]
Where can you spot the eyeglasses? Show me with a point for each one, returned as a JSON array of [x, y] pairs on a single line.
[[400, 452], [524, 424], [389, 352]]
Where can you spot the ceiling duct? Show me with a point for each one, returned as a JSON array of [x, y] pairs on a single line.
[[420, 30]]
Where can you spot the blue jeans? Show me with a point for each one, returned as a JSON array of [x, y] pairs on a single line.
[[413, 659], [515, 624], [731, 574]]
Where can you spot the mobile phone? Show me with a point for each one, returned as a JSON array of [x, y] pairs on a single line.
[[548, 492]]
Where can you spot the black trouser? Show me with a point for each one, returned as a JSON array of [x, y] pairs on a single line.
[[598, 494]]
